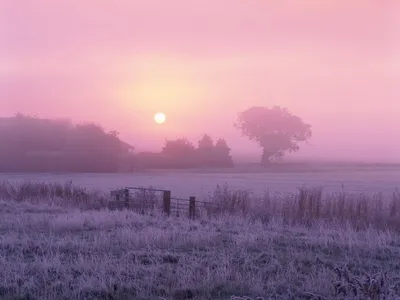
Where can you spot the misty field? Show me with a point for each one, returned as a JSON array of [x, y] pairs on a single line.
[[71, 241], [366, 179]]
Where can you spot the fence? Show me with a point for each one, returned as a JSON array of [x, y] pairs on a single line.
[[147, 200]]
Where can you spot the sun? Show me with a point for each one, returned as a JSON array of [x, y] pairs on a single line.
[[160, 118]]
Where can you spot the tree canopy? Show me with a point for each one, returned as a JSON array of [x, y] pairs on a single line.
[[206, 143], [275, 129], [181, 153], [33, 144], [178, 147]]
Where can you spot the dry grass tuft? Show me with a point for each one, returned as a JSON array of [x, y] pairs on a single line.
[[65, 195], [374, 287], [308, 206]]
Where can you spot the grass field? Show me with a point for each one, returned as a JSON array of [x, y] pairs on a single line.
[[60, 241]]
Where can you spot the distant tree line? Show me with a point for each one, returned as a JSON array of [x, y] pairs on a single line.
[[44, 145], [181, 153], [29, 144]]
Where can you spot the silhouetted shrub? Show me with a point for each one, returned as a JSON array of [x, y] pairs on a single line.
[[181, 153]]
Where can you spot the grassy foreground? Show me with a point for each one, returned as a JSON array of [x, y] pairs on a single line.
[[49, 250]]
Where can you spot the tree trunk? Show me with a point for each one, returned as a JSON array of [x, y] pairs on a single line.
[[265, 158]]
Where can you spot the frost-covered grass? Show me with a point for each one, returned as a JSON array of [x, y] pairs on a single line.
[[53, 247], [307, 206]]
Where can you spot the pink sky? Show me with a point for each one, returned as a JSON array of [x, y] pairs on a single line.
[[335, 63]]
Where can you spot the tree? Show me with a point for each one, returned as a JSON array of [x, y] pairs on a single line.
[[178, 147], [205, 151], [206, 143], [27, 133], [275, 129], [94, 148], [222, 147], [222, 153]]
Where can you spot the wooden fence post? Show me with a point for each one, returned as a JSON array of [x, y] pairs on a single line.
[[126, 198], [192, 207], [167, 202]]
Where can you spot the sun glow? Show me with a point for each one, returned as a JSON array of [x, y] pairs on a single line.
[[160, 118]]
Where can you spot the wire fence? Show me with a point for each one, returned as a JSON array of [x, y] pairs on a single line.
[[149, 200]]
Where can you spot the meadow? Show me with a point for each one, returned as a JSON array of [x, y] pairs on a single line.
[[63, 240]]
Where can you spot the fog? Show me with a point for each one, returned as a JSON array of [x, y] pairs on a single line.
[[333, 63]]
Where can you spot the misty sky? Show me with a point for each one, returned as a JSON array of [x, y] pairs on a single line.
[[334, 63]]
